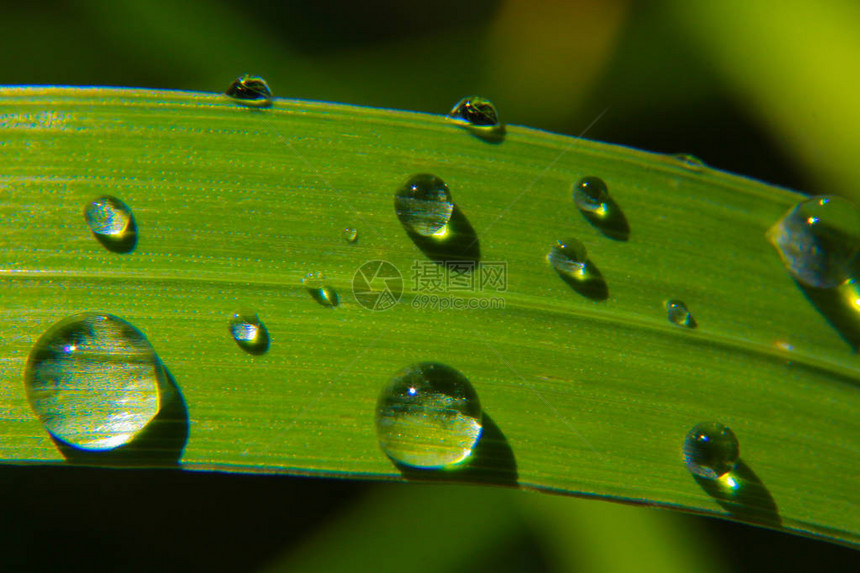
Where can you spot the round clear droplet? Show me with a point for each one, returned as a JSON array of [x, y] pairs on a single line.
[[349, 234], [590, 194], [570, 258], [249, 332], [428, 416], [475, 111], [711, 450], [93, 380], [424, 206], [250, 90], [819, 241], [679, 314]]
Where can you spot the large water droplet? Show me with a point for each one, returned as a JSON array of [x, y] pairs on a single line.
[[679, 314], [569, 258], [711, 450], [249, 332], [591, 195], [349, 234], [112, 223], [424, 206], [93, 379], [319, 290], [819, 240], [250, 90], [428, 416]]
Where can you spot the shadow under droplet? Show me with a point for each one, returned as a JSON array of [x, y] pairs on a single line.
[[491, 462], [159, 444], [123, 243], [612, 222], [592, 285], [840, 306], [459, 244], [742, 494]]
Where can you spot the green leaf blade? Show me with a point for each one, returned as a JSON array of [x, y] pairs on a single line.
[[593, 398]]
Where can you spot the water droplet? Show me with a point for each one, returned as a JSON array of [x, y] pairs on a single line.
[[428, 416], [249, 332], [569, 258], [591, 195], [479, 116], [819, 240], [690, 161], [711, 450], [112, 223], [424, 206], [678, 313], [475, 111], [249, 90], [93, 380], [349, 234], [319, 290]]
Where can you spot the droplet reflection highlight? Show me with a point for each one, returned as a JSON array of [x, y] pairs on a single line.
[[93, 380], [428, 416]]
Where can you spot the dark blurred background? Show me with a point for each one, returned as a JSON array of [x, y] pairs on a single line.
[[765, 89]]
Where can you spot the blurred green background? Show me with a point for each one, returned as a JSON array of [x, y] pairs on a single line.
[[765, 89]]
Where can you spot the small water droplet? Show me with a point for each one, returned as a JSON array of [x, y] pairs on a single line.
[[479, 116], [679, 314], [428, 416], [93, 380], [591, 195], [424, 206], [689, 161], [112, 223], [819, 240], [250, 90], [249, 332], [320, 291], [349, 234], [475, 111], [569, 257], [711, 450]]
